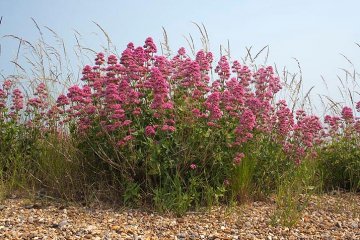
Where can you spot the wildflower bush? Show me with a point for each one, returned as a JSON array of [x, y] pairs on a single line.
[[340, 155], [172, 132], [16, 141]]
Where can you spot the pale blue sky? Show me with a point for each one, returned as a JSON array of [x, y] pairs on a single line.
[[315, 32]]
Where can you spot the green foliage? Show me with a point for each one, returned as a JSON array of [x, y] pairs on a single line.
[[190, 167], [293, 192], [58, 167], [340, 164], [132, 193], [18, 149], [258, 173]]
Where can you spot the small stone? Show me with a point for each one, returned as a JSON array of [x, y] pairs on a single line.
[[181, 236], [29, 206], [338, 224], [355, 225], [32, 206], [326, 236], [193, 235], [90, 228], [62, 224], [31, 219], [180, 220], [248, 224], [32, 235], [116, 228], [12, 196], [2, 207], [88, 236], [332, 220]]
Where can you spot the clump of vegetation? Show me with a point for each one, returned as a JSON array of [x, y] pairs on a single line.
[[148, 129]]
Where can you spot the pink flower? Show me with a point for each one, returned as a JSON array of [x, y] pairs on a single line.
[[167, 128], [196, 112], [246, 124], [136, 112], [334, 123], [284, 119], [168, 105], [128, 138], [212, 124], [347, 114], [160, 87], [125, 140], [17, 100], [149, 46], [99, 60], [238, 158], [357, 126], [7, 85], [150, 131], [181, 51], [223, 69], [193, 166], [126, 123], [150, 88], [112, 59], [213, 105], [306, 132], [62, 100], [3, 97], [204, 60]]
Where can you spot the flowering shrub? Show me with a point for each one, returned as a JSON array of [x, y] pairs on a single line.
[[16, 143], [169, 132], [340, 154]]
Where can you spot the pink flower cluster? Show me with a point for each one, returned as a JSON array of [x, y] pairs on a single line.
[[18, 102], [307, 132], [4, 93], [140, 94], [29, 110], [146, 92], [282, 120], [345, 125], [39, 103]]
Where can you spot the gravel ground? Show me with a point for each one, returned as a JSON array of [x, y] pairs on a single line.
[[326, 217]]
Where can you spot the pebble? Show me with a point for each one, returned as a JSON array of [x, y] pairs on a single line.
[[326, 217], [60, 225], [90, 228], [355, 225], [248, 224], [338, 224]]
